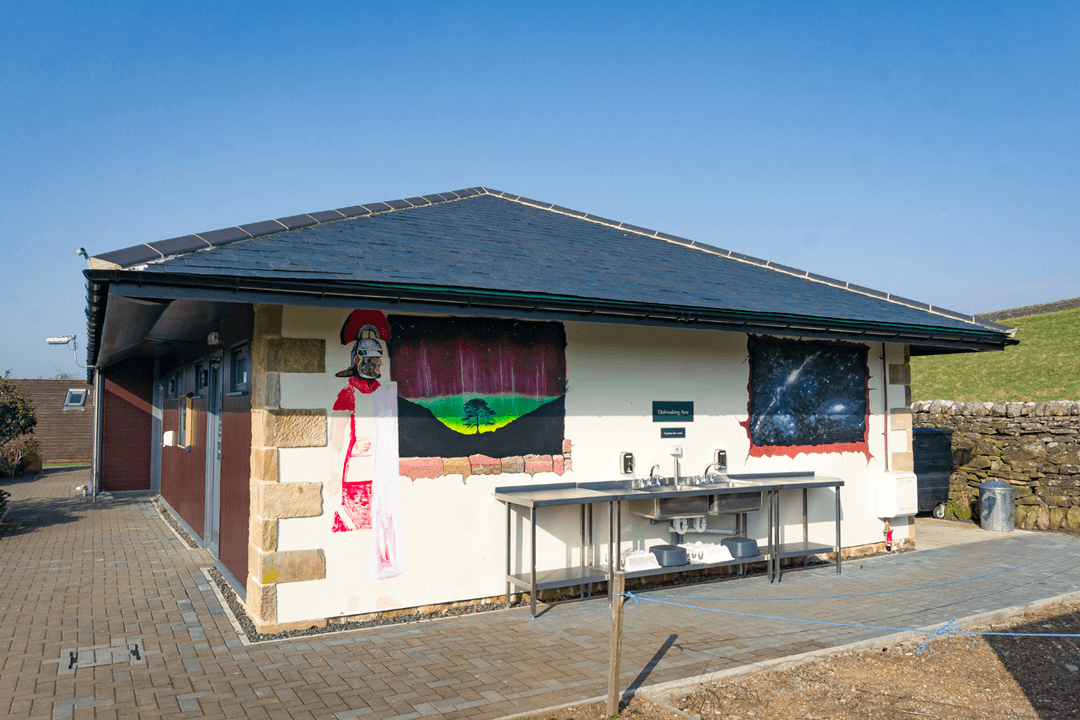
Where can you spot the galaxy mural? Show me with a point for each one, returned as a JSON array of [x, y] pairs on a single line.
[[807, 397], [484, 386]]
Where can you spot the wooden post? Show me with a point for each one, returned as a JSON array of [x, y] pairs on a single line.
[[618, 588]]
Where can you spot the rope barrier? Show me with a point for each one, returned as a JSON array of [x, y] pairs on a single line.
[[878, 592], [944, 630]]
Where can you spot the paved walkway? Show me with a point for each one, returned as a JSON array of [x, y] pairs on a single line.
[[112, 583]]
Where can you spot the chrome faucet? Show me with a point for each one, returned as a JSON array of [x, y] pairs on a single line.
[[654, 478], [721, 469]]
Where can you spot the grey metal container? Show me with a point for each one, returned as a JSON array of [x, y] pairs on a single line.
[[669, 555], [932, 451], [741, 547], [997, 506]]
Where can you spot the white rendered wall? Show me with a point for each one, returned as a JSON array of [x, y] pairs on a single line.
[[454, 530]]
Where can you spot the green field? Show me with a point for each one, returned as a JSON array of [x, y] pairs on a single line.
[[1044, 366]]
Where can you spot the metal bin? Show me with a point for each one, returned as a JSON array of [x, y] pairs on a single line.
[[997, 506]]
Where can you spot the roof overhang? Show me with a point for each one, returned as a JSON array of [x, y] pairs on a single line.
[[138, 295]]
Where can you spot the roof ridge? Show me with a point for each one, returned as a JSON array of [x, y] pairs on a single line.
[[749, 259]]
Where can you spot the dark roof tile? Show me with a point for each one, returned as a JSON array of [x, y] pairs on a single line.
[[377, 207], [262, 228], [868, 291], [223, 236], [297, 221], [354, 211], [397, 204], [128, 257], [327, 215], [912, 303], [175, 246]]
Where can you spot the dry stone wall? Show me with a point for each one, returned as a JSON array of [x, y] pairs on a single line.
[[1033, 446]]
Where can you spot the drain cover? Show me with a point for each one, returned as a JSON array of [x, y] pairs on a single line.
[[95, 655]]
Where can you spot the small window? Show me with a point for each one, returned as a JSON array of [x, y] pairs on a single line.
[[240, 370], [76, 399], [170, 391], [179, 383], [202, 379]]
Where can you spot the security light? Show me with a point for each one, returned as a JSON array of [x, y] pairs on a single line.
[[65, 340]]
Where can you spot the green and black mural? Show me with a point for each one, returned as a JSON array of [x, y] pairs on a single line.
[[484, 386]]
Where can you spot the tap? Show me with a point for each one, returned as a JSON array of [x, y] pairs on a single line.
[[721, 469], [654, 478]]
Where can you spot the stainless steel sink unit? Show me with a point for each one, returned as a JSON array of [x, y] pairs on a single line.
[[660, 498], [670, 508]]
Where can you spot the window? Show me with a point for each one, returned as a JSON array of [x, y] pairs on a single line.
[[76, 399], [240, 370], [202, 379], [170, 390]]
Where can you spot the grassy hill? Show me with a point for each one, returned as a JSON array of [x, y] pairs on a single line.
[[1044, 366]]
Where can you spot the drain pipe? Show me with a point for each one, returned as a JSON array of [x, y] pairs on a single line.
[[95, 468], [682, 526]]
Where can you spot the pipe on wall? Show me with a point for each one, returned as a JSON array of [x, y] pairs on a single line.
[[95, 468]]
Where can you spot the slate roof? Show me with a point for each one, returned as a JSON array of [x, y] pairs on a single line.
[[482, 243]]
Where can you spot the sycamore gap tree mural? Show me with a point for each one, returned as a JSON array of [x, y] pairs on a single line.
[[484, 386], [477, 412]]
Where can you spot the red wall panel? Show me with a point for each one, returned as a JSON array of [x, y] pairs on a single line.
[[183, 472], [126, 427], [235, 484]]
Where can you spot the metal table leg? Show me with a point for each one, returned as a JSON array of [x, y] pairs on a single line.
[[508, 514], [838, 543], [777, 574], [532, 553], [610, 549], [770, 566], [805, 527]]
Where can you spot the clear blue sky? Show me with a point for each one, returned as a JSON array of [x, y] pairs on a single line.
[[926, 149]]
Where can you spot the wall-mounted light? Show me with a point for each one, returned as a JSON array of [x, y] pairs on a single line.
[[213, 338]]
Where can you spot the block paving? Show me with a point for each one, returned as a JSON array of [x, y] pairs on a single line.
[[107, 578]]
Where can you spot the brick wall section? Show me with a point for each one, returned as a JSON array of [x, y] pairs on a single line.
[[274, 427], [1034, 446], [66, 436]]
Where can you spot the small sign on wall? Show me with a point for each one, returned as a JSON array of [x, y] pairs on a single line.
[[671, 411], [672, 432]]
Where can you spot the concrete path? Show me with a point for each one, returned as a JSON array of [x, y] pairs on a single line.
[[112, 583]]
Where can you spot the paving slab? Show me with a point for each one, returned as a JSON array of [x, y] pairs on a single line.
[[99, 579]]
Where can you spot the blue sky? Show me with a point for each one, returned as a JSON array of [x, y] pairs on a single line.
[[926, 149]]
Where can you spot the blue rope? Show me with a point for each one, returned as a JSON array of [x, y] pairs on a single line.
[[880, 592], [944, 630], [940, 631]]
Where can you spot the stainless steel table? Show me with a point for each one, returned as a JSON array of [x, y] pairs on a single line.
[[588, 494]]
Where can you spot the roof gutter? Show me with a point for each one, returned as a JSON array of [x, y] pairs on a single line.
[[470, 301]]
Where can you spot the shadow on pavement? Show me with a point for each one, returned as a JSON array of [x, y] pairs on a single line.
[[28, 515], [1047, 669]]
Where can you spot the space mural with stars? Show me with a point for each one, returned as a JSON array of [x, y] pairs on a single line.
[[807, 397]]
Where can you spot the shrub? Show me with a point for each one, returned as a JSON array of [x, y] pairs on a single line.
[[16, 419]]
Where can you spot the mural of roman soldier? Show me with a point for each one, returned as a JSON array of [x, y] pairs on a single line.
[[364, 444]]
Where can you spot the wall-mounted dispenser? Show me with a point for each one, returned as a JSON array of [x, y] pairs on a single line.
[[626, 463], [720, 459]]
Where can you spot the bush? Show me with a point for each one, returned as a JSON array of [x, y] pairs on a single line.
[[16, 419]]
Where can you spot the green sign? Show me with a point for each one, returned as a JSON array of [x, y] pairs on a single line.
[[672, 432], [669, 411]]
